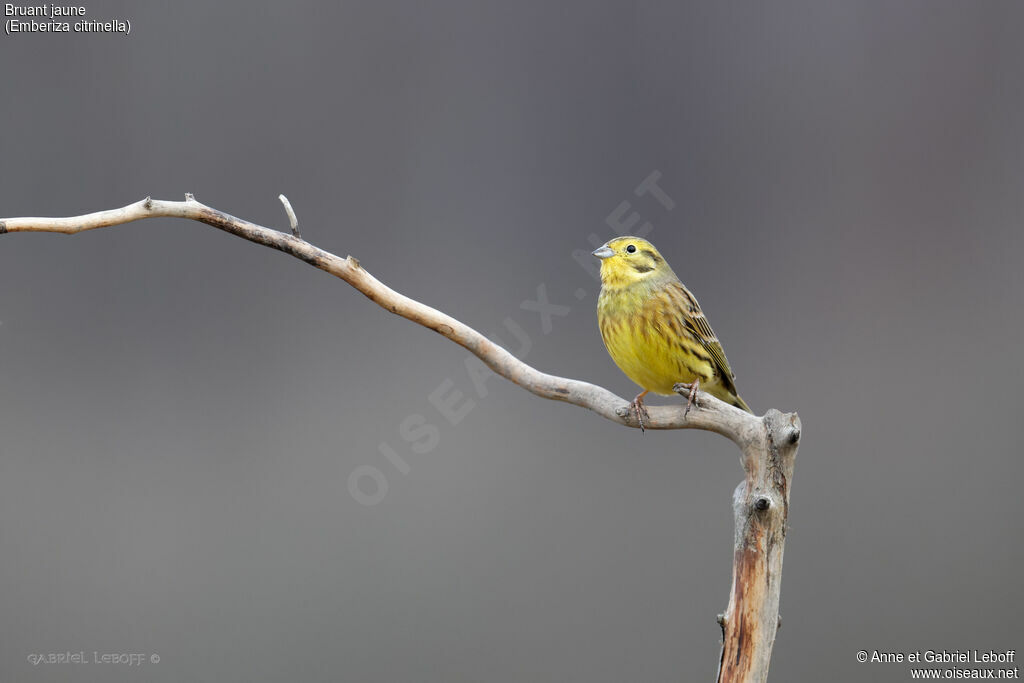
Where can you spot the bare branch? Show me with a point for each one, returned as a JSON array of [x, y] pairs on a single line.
[[769, 444], [714, 415]]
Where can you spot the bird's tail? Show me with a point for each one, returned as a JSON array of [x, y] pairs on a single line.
[[741, 404]]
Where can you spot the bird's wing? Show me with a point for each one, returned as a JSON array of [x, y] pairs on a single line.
[[694, 320]]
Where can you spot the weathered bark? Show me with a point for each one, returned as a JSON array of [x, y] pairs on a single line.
[[768, 444], [761, 510]]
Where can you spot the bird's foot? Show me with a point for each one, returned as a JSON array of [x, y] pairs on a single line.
[[691, 399], [641, 410]]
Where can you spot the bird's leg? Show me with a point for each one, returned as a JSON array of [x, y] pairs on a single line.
[[692, 398], [641, 410]]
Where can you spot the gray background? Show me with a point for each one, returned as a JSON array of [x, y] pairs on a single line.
[[181, 411]]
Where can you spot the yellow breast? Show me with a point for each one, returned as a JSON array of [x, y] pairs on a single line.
[[644, 337]]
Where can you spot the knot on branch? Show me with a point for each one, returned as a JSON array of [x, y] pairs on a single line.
[[628, 415], [783, 428]]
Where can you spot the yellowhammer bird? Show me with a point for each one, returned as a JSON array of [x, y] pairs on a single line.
[[654, 329]]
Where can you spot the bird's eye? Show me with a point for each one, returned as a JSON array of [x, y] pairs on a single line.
[[631, 248]]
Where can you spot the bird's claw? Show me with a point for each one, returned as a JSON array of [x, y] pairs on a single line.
[[691, 399], [641, 412]]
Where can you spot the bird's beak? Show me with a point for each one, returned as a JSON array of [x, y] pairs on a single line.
[[604, 252]]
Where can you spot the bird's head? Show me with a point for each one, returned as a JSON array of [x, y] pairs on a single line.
[[629, 260]]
